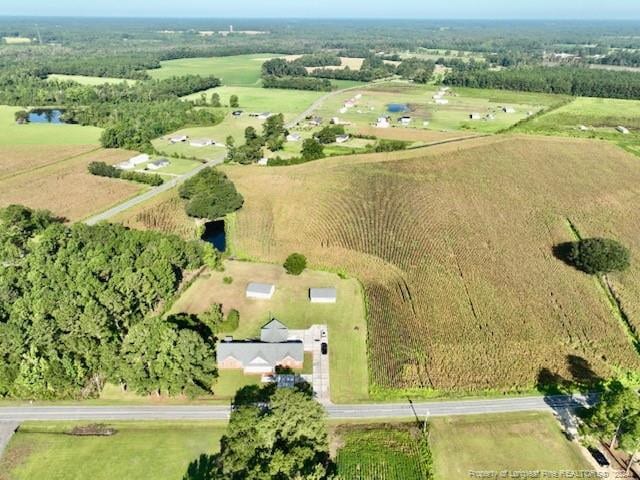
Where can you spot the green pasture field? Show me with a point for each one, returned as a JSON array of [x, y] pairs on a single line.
[[379, 451], [43, 134], [290, 304], [454, 116], [512, 442], [87, 80], [139, 450], [601, 116], [233, 70]]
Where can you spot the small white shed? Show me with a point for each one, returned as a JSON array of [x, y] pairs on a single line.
[[623, 130], [260, 291], [323, 295]]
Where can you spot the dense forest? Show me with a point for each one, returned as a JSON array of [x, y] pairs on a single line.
[[80, 306], [562, 80]]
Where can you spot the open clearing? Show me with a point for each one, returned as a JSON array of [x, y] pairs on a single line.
[[43, 134], [87, 80], [16, 159], [512, 442], [16, 40], [453, 244], [452, 116], [233, 70], [290, 305], [139, 450], [66, 188]]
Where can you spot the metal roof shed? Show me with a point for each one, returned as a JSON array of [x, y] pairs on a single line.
[[323, 295]]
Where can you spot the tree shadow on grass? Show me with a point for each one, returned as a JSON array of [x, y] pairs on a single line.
[[563, 252], [582, 377], [202, 468]]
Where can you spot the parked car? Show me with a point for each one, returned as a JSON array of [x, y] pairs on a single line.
[[599, 457], [324, 348]]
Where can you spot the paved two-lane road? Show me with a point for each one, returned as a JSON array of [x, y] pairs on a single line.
[[340, 412]]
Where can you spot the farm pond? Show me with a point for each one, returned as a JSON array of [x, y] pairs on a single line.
[[397, 108], [46, 116], [214, 233]]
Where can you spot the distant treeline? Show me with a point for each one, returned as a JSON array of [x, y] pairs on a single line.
[[297, 83], [561, 80]]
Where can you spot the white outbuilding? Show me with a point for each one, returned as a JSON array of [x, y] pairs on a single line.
[[383, 122], [623, 130], [323, 295], [139, 159], [201, 142], [178, 139], [260, 291]]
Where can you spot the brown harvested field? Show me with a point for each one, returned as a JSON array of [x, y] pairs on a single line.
[[67, 189], [453, 244], [16, 159], [412, 134], [164, 213]]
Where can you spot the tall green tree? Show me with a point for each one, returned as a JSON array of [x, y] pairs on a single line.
[[211, 195]]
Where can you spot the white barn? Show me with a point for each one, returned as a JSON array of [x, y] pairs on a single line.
[[323, 295], [139, 159], [260, 291]]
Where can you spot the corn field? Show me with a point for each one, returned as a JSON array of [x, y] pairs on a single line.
[[453, 245]]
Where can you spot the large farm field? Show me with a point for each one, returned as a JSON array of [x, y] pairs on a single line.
[[65, 187], [522, 442], [139, 450], [453, 244], [233, 70], [87, 80]]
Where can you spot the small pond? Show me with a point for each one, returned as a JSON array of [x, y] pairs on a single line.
[[214, 233], [397, 107], [46, 116]]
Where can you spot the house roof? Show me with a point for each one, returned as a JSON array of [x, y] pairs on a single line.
[[260, 288], [323, 293], [274, 332], [259, 353]]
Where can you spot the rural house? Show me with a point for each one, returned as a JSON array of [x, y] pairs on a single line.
[[294, 137], [260, 291], [383, 122], [178, 139], [158, 164], [201, 142], [262, 356], [342, 138]]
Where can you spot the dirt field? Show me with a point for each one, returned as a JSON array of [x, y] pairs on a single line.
[[410, 134], [66, 188], [454, 246], [16, 159]]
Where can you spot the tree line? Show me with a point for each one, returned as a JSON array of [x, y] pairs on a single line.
[[101, 169], [561, 80], [80, 306]]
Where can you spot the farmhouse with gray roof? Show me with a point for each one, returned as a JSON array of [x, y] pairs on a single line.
[[273, 349]]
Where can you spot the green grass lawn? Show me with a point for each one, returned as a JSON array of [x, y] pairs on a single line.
[[87, 80], [234, 70], [345, 319], [450, 117], [43, 134], [138, 451], [601, 116], [522, 441]]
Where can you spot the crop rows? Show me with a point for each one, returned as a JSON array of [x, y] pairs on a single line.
[[454, 249]]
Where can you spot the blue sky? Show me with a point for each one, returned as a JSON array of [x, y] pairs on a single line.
[[532, 9]]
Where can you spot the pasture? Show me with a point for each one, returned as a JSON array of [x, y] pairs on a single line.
[[64, 186], [43, 134], [87, 80], [427, 115], [512, 442], [453, 244], [290, 305], [379, 451], [159, 450], [234, 70]]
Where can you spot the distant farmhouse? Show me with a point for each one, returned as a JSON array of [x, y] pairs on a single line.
[[158, 164], [262, 356], [134, 162]]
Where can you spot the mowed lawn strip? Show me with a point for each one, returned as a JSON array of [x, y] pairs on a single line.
[[88, 80], [139, 450], [290, 304], [513, 442]]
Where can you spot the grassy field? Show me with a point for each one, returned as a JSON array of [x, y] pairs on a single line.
[[454, 247], [380, 451], [234, 70], [141, 450], [290, 305], [512, 442], [600, 116], [454, 116], [43, 134], [16, 40], [86, 80], [64, 186]]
